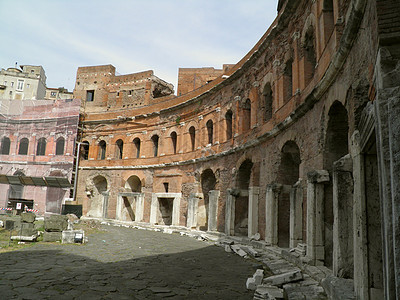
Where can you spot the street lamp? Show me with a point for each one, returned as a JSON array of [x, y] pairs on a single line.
[[76, 166]]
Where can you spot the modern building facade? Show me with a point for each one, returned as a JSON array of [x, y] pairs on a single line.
[[298, 142]]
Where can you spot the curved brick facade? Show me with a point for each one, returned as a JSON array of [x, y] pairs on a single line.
[[291, 142]]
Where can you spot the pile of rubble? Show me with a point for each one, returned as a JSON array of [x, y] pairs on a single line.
[[60, 228]]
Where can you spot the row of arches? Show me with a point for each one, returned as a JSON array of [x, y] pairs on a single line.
[[23, 146]]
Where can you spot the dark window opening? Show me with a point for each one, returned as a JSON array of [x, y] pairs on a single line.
[[210, 131], [174, 139], [155, 144], [136, 142], [90, 95], [288, 81], [192, 132], [166, 186], [85, 150], [60, 146], [41, 147], [23, 146], [102, 152], [268, 101], [120, 149], [5, 146], [247, 115], [228, 120]]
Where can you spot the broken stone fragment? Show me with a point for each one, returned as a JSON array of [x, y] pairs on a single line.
[[253, 282], [279, 280], [255, 237], [268, 292]]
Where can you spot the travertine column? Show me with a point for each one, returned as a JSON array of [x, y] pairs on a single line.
[[343, 217], [193, 204], [296, 215], [271, 213], [213, 197], [139, 207], [154, 209], [253, 211], [230, 213], [315, 215]]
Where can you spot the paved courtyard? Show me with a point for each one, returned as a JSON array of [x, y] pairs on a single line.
[[125, 263]]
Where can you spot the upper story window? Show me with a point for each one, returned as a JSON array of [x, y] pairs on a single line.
[[120, 149], [23, 146], [174, 139], [288, 81], [210, 131], [20, 85], [192, 133], [5, 146], [246, 117], [136, 142], [90, 95], [53, 94], [85, 150], [60, 146], [5, 83], [12, 83], [228, 120], [155, 139], [268, 100], [102, 150], [41, 147]]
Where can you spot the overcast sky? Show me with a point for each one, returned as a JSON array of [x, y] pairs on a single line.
[[132, 35]]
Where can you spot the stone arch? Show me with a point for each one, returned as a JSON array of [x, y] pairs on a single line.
[[99, 197], [336, 146], [208, 183], [243, 179], [133, 184], [288, 175]]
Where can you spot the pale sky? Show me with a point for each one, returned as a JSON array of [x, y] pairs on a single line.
[[132, 35]]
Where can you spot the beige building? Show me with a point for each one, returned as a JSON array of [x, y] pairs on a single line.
[[58, 94], [26, 82]]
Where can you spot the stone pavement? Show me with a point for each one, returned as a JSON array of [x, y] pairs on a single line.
[[125, 263]]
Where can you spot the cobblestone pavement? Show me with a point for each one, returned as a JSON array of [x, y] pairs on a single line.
[[125, 263]]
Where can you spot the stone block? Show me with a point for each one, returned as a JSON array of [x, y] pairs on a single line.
[[28, 238], [28, 217], [251, 284], [52, 236], [281, 279], [27, 231], [13, 223], [56, 223], [268, 292], [72, 236]]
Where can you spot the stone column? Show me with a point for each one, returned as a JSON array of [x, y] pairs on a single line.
[[296, 215], [176, 209], [154, 209], [359, 220], [343, 217], [118, 213], [105, 204], [230, 213], [213, 197], [139, 207], [315, 215], [253, 211], [193, 204], [271, 213]]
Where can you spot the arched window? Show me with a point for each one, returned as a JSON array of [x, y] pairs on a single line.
[[246, 117], [85, 150], [136, 142], [174, 139], [120, 149], [23, 146], [5, 146], [228, 120], [192, 132], [327, 13], [210, 131], [102, 150], [41, 147], [60, 146], [310, 59], [268, 100], [155, 139], [288, 81]]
